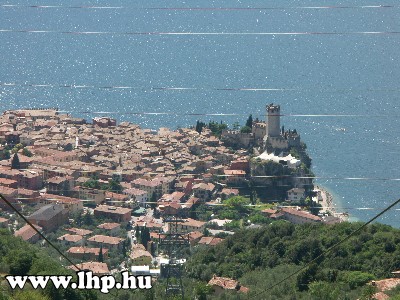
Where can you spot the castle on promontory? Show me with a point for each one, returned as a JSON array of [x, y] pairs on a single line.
[[275, 137], [265, 135]]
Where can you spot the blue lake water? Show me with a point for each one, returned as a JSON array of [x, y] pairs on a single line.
[[335, 74]]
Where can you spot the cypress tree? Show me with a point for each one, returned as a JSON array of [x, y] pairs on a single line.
[[15, 162], [249, 122], [100, 258]]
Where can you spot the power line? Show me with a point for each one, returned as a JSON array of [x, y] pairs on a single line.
[[191, 89], [90, 7], [187, 33], [212, 204], [249, 176], [327, 251], [38, 232], [165, 113]]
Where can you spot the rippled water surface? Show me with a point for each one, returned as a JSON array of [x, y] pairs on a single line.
[[345, 69]]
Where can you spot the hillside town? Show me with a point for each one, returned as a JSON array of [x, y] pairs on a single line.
[[99, 189]]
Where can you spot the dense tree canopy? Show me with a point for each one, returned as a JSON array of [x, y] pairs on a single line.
[[372, 254]]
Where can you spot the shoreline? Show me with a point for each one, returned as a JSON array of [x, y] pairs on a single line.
[[327, 201]]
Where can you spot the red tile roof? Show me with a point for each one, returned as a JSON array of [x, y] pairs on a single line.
[[224, 282], [27, 232], [300, 213], [227, 284], [79, 231], [74, 238], [97, 268], [210, 240], [108, 226], [95, 251], [105, 239], [386, 284], [113, 209]]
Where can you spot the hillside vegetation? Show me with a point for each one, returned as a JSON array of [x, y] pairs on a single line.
[[258, 258], [20, 258]]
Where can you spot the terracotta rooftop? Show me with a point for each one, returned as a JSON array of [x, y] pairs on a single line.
[[60, 199], [194, 235], [193, 223], [139, 252], [234, 172], [113, 209], [135, 192], [224, 282], [300, 213], [7, 191], [227, 191], [105, 239], [210, 240], [108, 226], [269, 211], [73, 238], [97, 268], [57, 180], [27, 232], [95, 251], [5, 181], [204, 186], [386, 284], [79, 231]]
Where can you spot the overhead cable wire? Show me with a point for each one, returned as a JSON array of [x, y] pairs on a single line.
[[188, 33], [38, 232], [94, 7], [138, 113], [219, 204], [183, 89], [327, 251], [213, 204]]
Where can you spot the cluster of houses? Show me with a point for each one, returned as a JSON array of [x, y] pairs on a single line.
[[166, 169], [171, 169], [148, 164]]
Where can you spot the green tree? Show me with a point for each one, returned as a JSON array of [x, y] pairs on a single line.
[[26, 152], [114, 186], [20, 262], [217, 128], [323, 290], [253, 196], [368, 292], [258, 218], [145, 236], [17, 147], [92, 183], [206, 232], [5, 154], [245, 129], [237, 202], [202, 290], [249, 122], [88, 219], [30, 295], [356, 278], [15, 162], [199, 126]]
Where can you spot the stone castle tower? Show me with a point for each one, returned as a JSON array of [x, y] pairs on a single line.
[[273, 120], [276, 138]]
